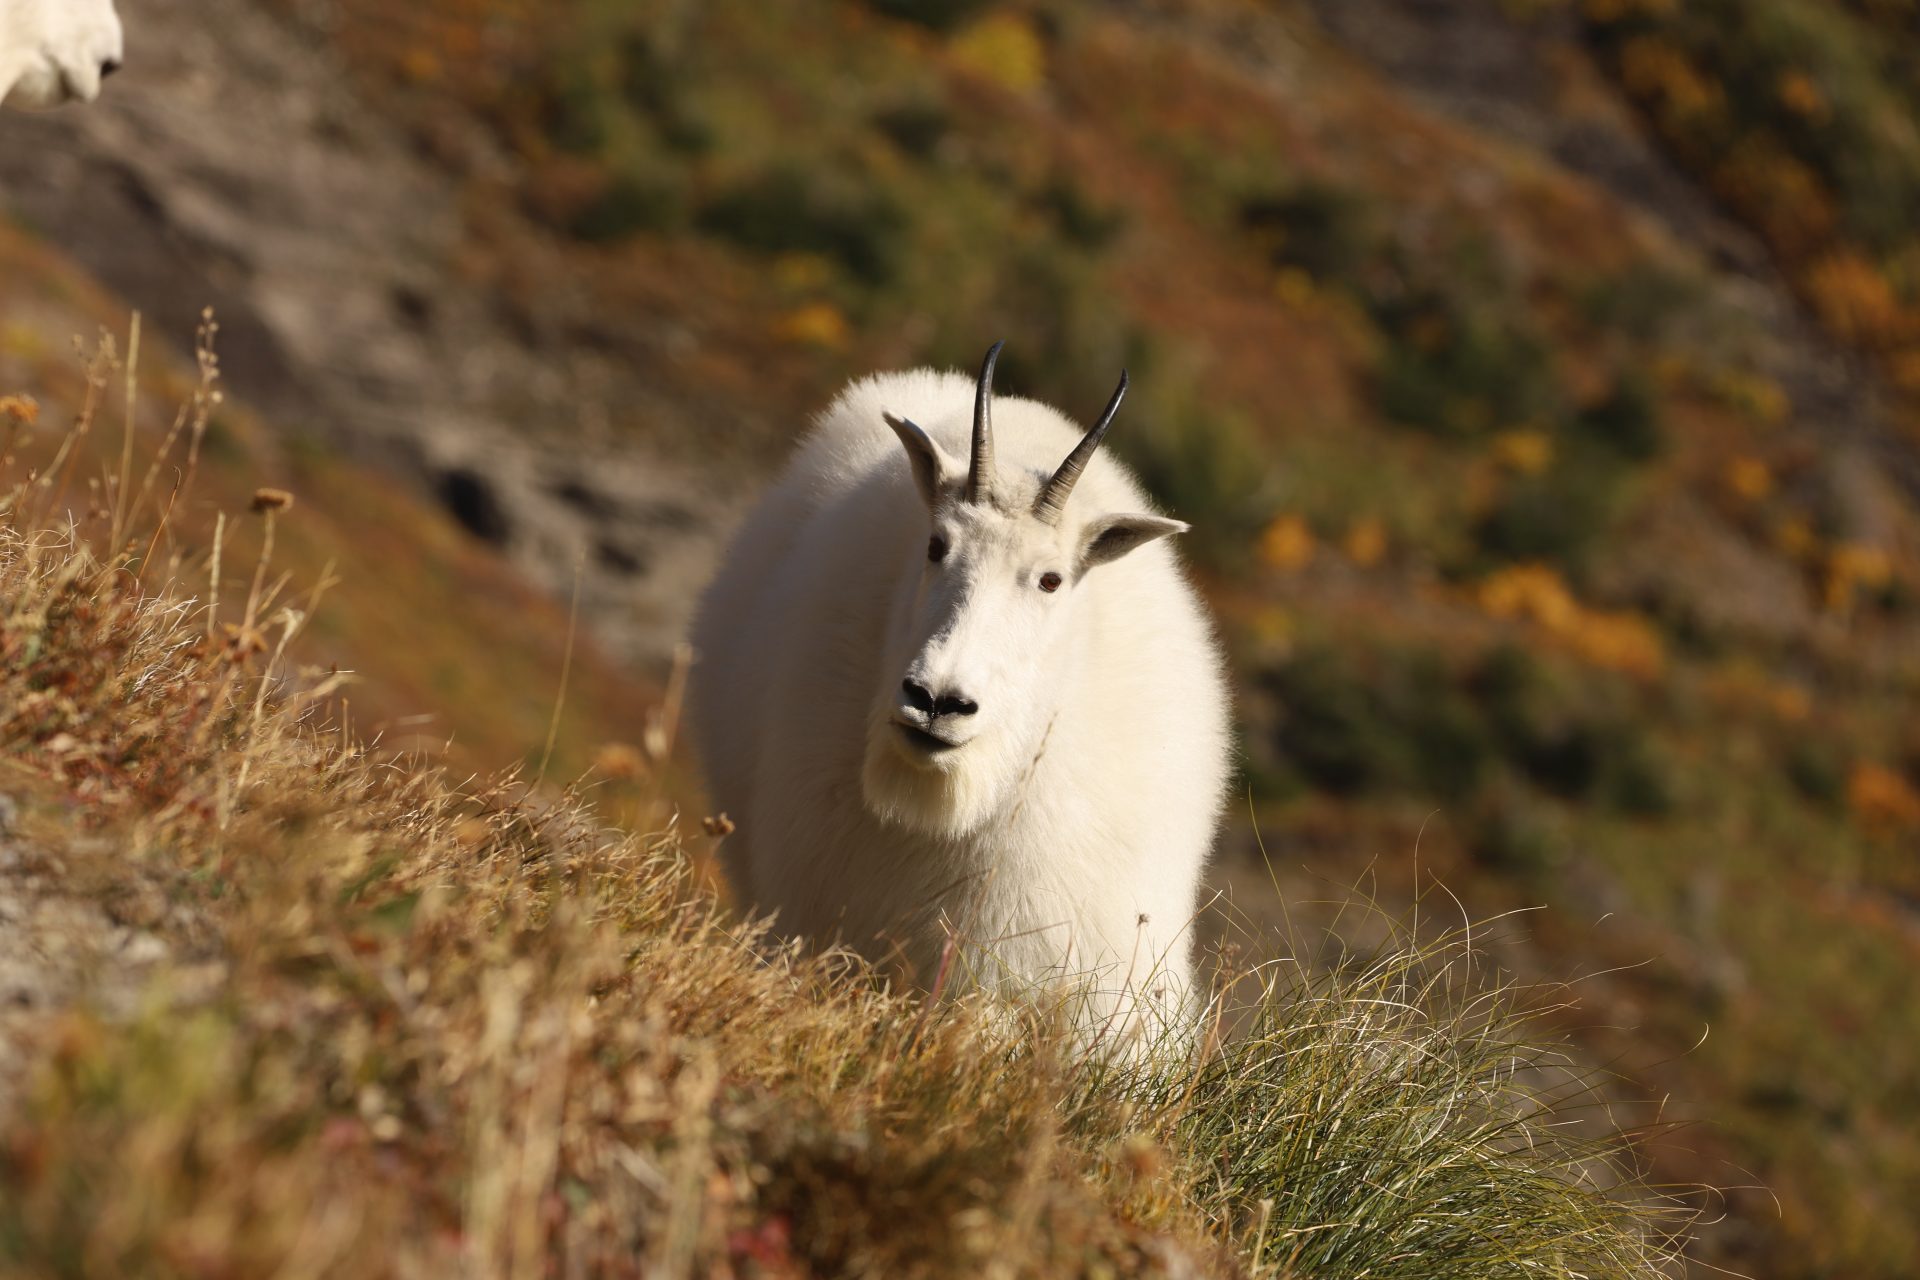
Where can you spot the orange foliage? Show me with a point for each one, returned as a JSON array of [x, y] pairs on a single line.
[[1528, 452], [1655, 71], [1851, 567], [818, 324], [1882, 800], [1366, 542], [1535, 593], [1749, 478], [1287, 544], [1777, 190], [1855, 299], [1800, 95]]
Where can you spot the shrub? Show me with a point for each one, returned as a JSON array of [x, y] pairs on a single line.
[[801, 211], [1507, 834], [1819, 772], [1329, 726], [1557, 515], [1626, 421], [636, 199], [1084, 223], [1324, 230], [1395, 720], [940, 15], [1460, 370], [1576, 741], [1205, 467], [917, 125]]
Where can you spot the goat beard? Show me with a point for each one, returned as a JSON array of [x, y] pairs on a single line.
[[948, 800]]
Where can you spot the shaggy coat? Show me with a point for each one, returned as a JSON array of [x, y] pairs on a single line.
[[55, 51], [1066, 837]]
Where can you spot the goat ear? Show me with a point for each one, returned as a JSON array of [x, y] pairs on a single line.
[[931, 467], [1111, 537]]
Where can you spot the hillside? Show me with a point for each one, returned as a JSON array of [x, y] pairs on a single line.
[[273, 1000], [1537, 376], [427, 597]]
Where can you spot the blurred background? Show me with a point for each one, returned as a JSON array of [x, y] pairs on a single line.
[[1542, 378]]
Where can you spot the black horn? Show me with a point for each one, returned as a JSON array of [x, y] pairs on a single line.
[[1053, 495], [980, 473]]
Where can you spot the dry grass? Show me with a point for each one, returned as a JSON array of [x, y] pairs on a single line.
[[407, 1027]]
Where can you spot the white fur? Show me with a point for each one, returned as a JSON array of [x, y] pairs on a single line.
[[1067, 836], [55, 51]]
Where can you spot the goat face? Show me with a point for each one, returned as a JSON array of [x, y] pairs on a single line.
[[981, 650], [56, 51]]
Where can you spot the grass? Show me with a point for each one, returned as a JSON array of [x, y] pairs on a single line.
[[403, 1026]]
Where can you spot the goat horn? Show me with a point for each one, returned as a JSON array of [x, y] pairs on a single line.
[[1053, 495], [980, 473]]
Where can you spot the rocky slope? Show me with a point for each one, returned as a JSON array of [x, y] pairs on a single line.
[[235, 167]]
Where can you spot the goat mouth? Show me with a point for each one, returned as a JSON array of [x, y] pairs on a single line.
[[922, 741]]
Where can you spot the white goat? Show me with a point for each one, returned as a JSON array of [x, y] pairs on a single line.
[[942, 702], [55, 51]]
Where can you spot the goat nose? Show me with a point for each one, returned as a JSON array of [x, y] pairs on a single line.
[[110, 66], [923, 700], [952, 704], [918, 697]]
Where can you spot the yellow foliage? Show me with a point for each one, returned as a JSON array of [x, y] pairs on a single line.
[[1535, 593], [1852, 566], [1366, 542], [1527, 451], [818, 324], [1005, 49], [1750, 478], [1530, 591], [1881, 799], [1854, 298], [1619, 642], [1287, 544]]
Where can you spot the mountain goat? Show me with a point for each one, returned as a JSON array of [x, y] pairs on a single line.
[[965, 713], [55, 51]]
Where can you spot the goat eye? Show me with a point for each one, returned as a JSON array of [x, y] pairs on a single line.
[[1049, 582], [936, 548]]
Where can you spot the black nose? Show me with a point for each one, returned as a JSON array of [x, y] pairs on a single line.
[[110, 66], [921, 699]]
